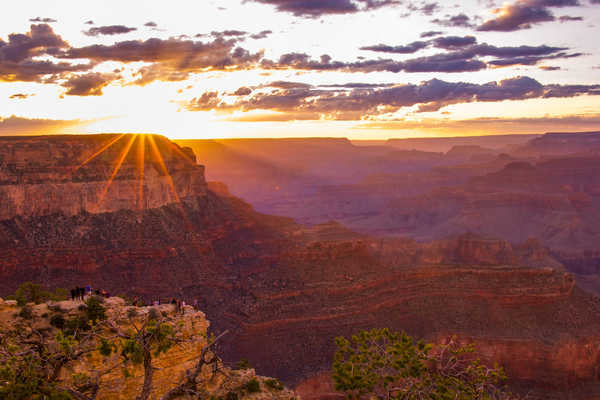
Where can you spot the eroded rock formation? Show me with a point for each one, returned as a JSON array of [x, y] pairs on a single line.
[[285, 291]]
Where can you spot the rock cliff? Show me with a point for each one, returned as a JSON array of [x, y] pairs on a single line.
[[71, 174]]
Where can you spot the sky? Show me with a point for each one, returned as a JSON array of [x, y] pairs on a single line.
[[363, 69]]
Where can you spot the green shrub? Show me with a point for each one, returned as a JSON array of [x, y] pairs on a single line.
[[26, 312], [132, 313], [243, 364], [76, 324], [57, 321], [32, 292], [274, 384], [252, 386], [154, 314], [94, 310], [231, 396]]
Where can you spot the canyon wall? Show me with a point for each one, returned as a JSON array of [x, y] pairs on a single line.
[[285, 290], [94, 174]]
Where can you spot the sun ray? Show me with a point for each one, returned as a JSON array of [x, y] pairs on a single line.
[[102, 150], [122, 157], [140, 167], [177, 149], [161, 162], [140, 198]]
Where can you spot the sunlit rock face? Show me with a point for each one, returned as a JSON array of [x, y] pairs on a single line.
[[94, 174]]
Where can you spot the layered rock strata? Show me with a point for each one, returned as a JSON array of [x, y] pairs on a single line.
[[286, 291]]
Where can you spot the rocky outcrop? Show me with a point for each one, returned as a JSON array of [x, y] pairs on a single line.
[[94, 174], [170, 367]]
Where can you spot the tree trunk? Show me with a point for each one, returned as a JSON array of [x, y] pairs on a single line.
[[148, 373]]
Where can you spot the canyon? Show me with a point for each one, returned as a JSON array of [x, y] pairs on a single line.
[[135, 215]]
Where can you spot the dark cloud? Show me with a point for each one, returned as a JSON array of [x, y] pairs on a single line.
[[88, 84], [228, 33], [243, 91], [522, 14], [454, 42], [287, 85], [43, 20], [89, 22], [261, 34], [109, 30], [549, 68], [208, 101], [184, 53], [530, 60], [302, 61], [364, 103], [426, 8], [567, 18], [454, 21], [172, 59], [430, 34], [317, 8], [18, 56], [14, 125], [358, 85], [151, 24], [408, 49], [462, 58]]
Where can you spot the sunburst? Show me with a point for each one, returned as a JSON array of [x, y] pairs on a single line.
[[118, 164], [153, 154], [102, 150]]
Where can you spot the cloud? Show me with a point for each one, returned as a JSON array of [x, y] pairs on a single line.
[[365, 103], [243, 91], [261, 34], [14, 125], [522, 14], [408, 49], [151, 24], [184, 53], [19, 56], [44, 20], [464, 57], [109, 30], [549, 68], [455, 21], [20, 96], [88, 85], [454, 42], [172, 59], [430, 34], [567, 18], [425, 8], [436, 63], [287, 85], [493, 125], [317, 8], [89, 22]]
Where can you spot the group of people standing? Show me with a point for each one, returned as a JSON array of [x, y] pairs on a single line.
[[79, 293]]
